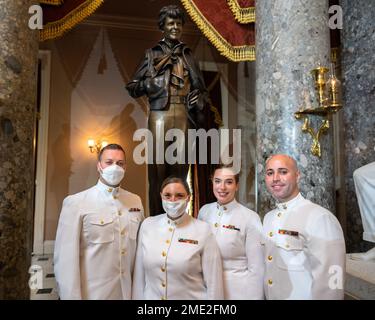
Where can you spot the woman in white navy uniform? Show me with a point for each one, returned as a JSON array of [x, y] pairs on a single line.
[[177, 256], [238, 233]]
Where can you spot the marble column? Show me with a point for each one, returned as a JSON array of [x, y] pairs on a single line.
[[18, 61], [292, 38], [358, 61]]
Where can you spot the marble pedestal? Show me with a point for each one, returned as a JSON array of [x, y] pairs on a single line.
[[360, 279]]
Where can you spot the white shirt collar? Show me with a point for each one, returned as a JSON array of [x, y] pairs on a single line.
[[107, 190], [291, 203], [226, 207], [178, 221]]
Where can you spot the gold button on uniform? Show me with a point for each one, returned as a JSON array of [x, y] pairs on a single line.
[[101, 222], [123, 252], [286, 245], [216, 225], [270, 258], [119, 213], [110, 189], [170, 229], [279, 214], [163, 298], [162, 269], [271, 234], [163, 284], [168, 241], [270, 282], [123, 232], [163, 253]]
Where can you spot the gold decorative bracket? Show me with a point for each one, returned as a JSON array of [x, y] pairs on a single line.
[[329, 97]]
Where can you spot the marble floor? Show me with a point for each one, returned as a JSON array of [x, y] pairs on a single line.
[[44, 285], [360, 279]]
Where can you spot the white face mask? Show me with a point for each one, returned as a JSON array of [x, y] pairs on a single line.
[[175, 209], [112, 175]]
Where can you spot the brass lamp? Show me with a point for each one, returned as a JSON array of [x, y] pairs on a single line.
[[328, 93], [96, 146]]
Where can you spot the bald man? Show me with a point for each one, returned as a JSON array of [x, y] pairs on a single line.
[[304, 242]]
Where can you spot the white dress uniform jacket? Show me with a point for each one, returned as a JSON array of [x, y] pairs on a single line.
[[305, 252], [238, 232], [177, 260], [364, 181], [96, 243]]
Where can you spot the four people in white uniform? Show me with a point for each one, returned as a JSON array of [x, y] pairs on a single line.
[[238, 232], [96, 235], [304, 243], [177, 255], [225, 254]]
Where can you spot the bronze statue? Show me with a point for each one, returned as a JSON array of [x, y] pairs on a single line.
[[171, 79]]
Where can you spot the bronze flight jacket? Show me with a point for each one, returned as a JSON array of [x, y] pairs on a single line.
[[147, 81]]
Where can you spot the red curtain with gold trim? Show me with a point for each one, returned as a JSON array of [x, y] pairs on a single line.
[[219, 21], [62, 15]]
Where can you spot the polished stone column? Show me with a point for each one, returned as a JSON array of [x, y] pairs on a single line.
[[292, 38], [358, 61], [18, 61]]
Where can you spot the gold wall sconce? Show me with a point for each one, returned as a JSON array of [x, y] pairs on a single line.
[[96, 146], [329, 98]]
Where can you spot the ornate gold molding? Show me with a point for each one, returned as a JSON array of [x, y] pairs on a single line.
[[57, 28], [233, 53], [52, 2], [242, 15]]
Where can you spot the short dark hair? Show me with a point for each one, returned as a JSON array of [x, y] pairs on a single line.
[[174, 179], [225, 166], [112, 146], [171, 11]]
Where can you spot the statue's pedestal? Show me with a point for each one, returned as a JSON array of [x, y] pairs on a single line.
[[360, 279]]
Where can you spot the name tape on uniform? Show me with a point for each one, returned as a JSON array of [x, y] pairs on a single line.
[[188, 241], [229, 226], [289, 232]]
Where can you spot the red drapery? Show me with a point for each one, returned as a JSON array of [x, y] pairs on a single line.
[[228, 24], [62, 15]]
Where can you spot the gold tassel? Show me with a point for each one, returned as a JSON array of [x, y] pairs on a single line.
[[52, 2], [233, 53], [57, 28], [242, 15]]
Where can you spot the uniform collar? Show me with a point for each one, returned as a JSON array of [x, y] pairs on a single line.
[[226, 207], [291, 203], [107, 190], [178, 222]]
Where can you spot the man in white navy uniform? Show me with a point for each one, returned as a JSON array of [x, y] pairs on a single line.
[[96, 235], [304, 242]]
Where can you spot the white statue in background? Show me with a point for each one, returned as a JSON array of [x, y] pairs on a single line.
[[364, 181]]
